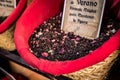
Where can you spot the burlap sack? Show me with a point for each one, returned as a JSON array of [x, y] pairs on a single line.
[[6, 39], [98, 71], [8, 25]]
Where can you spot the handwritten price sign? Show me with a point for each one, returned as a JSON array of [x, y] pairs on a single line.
[[7, 7], [83, 17]]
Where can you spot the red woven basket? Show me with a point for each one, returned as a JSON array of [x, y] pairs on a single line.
[[13, 16], [34, 15]]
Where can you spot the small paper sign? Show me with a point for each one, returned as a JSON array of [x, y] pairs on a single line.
[[7, 7], [83, 17]]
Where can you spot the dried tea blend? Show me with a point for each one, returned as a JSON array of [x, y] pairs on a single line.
[[49, 42]]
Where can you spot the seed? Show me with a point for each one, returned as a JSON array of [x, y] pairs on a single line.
[[51, 52], [44, 54], [40, 33], [53, 40], [113, 30]]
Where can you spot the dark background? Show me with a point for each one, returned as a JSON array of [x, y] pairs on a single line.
[[114, 73]]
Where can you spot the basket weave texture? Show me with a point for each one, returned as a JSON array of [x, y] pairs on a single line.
[[7, 39], [98, 71]]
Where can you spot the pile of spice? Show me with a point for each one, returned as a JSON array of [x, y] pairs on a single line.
[[49, 42]]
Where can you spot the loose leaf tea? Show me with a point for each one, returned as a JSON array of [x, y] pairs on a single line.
[[49, 42]]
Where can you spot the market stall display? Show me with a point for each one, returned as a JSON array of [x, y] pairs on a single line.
[[35, 15]]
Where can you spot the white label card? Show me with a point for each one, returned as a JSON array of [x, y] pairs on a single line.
[[7, 7], [83, 17]]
